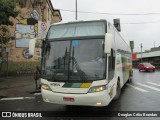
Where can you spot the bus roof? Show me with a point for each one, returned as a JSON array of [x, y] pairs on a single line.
[[78, 21], [81, 21]]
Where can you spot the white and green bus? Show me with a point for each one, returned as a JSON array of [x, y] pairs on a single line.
[[83, 63]]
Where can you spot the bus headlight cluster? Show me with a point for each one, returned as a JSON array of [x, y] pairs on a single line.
[[45, 86], [97, 88]]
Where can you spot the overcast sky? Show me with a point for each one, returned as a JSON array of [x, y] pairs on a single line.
[[147, 33]]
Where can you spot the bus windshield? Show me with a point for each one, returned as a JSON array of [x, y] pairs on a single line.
[[74, 60]]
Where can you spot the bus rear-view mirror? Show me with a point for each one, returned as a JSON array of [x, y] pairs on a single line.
[[34, 43], [108, 43]]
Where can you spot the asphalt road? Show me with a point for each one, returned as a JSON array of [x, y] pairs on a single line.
[[141, 94]]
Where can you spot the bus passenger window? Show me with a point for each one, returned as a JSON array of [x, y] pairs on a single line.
[[111, 65]]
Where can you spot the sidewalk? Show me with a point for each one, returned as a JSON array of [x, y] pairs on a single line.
[[20, 86]]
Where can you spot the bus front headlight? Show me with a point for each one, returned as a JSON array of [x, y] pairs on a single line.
[[45, 86], [97, 88]]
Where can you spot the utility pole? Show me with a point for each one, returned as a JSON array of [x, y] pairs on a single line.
[[141, 52], [76, 9]]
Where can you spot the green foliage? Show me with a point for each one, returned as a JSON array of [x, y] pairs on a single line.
[[7, 8], [4, 35]]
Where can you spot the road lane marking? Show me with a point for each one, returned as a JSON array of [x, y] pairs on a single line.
[[137, 88], [153, 88], [29, 97], [37, 93], [153, 84], [17, 98]]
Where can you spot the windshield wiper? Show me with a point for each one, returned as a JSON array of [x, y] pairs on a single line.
[[82, 74]]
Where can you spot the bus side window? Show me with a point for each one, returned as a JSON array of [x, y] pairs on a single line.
[[111, 65]]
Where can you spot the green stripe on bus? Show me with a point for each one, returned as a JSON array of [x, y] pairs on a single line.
[[76, 85], [67, 85]]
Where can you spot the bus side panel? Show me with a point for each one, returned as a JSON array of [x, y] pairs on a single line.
[[119, 71], [125, 52]]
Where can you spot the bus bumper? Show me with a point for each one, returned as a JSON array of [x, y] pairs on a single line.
[[89, 99]]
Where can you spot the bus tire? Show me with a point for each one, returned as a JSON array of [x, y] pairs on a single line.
[[129, 79], [130, 76], [118, 90]]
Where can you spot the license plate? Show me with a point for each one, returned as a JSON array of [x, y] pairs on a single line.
[[68, 99]]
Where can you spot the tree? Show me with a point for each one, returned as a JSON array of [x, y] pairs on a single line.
[[7, 10]]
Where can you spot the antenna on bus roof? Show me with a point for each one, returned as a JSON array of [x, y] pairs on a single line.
[[116, 23]]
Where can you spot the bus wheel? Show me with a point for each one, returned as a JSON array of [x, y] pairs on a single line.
[[130, 77], [118, 90]]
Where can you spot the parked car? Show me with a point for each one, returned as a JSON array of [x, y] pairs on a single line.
[[146, 67]]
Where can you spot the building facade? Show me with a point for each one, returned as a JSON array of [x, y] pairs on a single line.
[[33, 20], [152, 56]]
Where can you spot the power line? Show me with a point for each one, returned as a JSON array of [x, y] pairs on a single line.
[[111, 13], [119, 14], [143, 22]]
